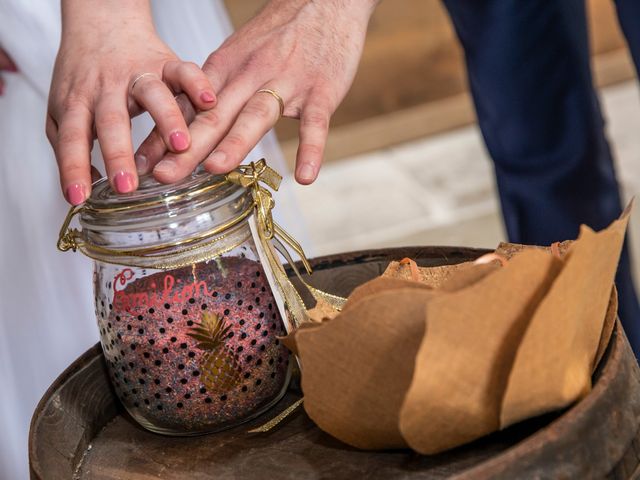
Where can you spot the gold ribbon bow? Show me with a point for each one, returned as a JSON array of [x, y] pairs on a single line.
[[251, 176]]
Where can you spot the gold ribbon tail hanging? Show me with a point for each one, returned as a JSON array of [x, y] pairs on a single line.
[[335, 301], [270, 234], [275, 421]]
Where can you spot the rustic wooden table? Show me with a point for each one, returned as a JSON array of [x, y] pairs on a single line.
[[79, 430]]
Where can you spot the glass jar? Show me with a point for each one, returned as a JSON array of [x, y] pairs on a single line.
[[188, 319]]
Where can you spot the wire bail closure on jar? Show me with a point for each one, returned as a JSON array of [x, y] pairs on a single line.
[[249, 176], [67, 239]]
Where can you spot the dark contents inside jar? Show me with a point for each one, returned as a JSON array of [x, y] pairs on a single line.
[[194, 347]]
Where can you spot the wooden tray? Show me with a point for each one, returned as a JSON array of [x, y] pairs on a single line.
[[79, 430]]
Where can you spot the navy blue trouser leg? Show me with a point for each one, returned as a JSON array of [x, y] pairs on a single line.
[[529, 74]]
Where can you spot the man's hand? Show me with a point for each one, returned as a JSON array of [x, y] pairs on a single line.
[[110, 67], [305, 51]]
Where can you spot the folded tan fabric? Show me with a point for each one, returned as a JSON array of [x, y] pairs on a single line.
[[465, 357], [357, 368], [432, 358], [556, 357]]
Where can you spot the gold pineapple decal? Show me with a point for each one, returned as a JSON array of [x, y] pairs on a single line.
[[220, 368]]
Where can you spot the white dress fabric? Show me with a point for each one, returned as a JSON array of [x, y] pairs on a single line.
[[46, 312]]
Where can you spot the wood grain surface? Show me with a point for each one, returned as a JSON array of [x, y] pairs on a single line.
[[79, 430]]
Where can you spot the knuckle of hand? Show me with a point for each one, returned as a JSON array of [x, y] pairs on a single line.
[[117, 155], [189, 67], [149, 87], [73, 169], [315, 120], [259, 109], [174, 119], [71, 102], [204, 84], [235, 141], [111, 119], [71, 135], [209, 119], [217, 59], [310, 149]]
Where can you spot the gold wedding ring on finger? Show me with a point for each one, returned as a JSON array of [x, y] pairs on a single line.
[[140, 77], [276, 96]]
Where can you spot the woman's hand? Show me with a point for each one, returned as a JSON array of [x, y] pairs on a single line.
[[7, 65], [305, 51], [110, 67]]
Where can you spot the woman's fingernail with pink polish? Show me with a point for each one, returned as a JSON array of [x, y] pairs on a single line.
[[123, 182], [179, 141], [217, 157], [75, 194], [207, 97]]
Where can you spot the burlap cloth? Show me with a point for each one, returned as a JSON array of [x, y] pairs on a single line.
[[432, 358]]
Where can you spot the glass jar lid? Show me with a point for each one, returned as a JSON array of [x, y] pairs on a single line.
[[161, 225], [154, 203]]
